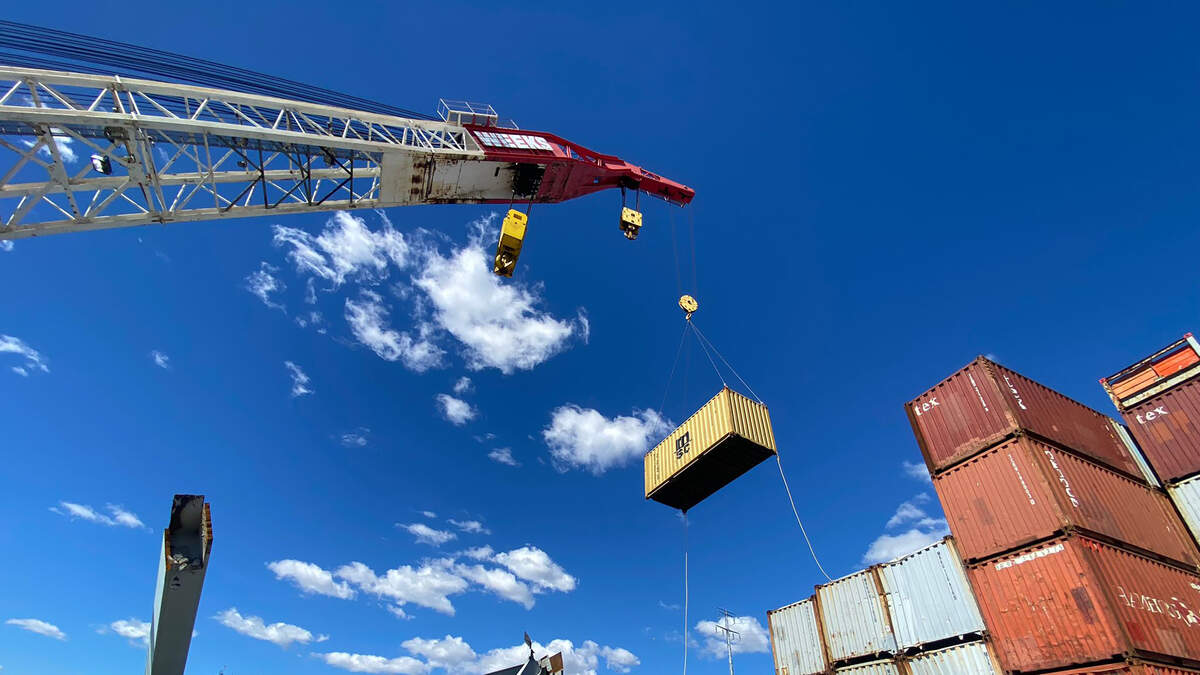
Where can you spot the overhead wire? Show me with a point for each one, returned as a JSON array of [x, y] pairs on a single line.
[[28, 46]]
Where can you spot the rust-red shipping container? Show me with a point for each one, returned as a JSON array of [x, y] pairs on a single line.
[[985, 402], [1130, 668], [1074, 600], [1024, 490], [1167, 427]]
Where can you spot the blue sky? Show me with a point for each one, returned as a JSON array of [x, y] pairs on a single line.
[[883, 193]]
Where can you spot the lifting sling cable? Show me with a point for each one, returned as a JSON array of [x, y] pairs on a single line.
[[700, 337], [685, 592]]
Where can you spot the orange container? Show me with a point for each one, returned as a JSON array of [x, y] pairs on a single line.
[[1073, 601], [1024, 490], [984, 403], [1123, 668]]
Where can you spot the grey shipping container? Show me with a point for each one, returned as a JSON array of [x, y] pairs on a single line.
[[968, 658], [853, 617], [928, 597], [886, 667], [796, 639]]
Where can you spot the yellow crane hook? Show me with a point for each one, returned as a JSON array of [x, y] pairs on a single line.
[[689, 306]]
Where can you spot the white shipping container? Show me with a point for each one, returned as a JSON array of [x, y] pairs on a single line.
[[796, 639], [888, 667], [928, 597], [1186, 496], [969, 658], [854, 618]]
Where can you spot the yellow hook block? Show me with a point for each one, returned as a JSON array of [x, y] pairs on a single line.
[[689, 305], [512, 238]]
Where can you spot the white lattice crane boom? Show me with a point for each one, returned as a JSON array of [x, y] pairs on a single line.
[[164, 152]]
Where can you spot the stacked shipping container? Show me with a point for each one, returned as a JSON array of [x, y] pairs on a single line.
[[915, 615], [1074, 556]]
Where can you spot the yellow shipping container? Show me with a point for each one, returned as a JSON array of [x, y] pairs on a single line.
[[727, 437]]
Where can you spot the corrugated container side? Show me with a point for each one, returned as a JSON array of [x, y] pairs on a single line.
[[1175, 364], [968, 658], [984, 402], [888, 667], [751, 420], [928, 597], [1130, 668], [854, 618], [1074, 600], [1136, 453], [796, 639], [1064, 421], [707, 425], [1167, 427], [1186, 496], [959, 416], [1024, 490]]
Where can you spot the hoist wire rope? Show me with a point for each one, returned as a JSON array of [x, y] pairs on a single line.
[[110, 57], [685, 592], [803, 532], [704, 338], [671, 375], [675, 253]]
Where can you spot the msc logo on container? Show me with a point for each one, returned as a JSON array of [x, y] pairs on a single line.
[[683, 444]]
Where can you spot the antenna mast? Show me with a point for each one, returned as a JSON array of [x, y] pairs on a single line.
[[731, 635]]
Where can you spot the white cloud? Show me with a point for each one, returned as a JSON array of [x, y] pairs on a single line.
[[499, 582], [427, 586], [6, 246], [299, 380], [263, 283], [470, 526], [753, 637], [454, 655], [456, 411], [279, 633], [64, 147], [916, 470], [345, 250], [429, 514], [135, 630], [368, 322], [367, 663], [499, 324], [533, 564], [38, 626], [463, 386], [449, 652], [356, 438], [427, 535], [480, 553], [310, 578], [118, 514], [503, 456], [583, 438], [924, 529], [160, 359], [33, 359]]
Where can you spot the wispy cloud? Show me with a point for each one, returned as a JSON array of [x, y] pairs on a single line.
[[117, 515], [134, 630], [916, 470], [923, 529], [310, 578], [263, 283], [160, 359], [428, 535], [34, 361], [470, 526], [38, 626], [455, 410], [753, 637], [368, 320], [299, 380], [279, 633], [6, 245], [356, 438], [463, 386], [503, 456]]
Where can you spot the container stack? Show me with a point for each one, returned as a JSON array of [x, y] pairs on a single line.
[[1075, 558], [915, 615], [1159, 397]]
